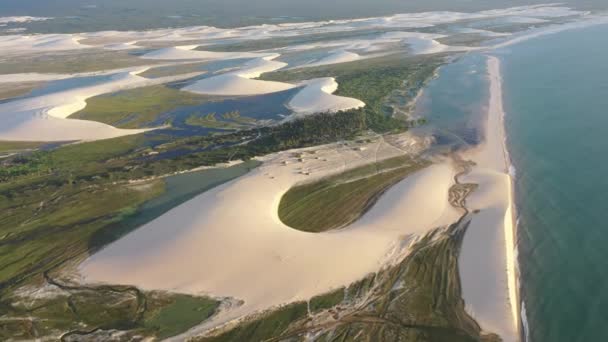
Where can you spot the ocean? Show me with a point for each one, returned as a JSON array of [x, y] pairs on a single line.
[[556, 103]]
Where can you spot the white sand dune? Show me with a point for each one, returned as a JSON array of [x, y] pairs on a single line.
[[242, 250], [40, 43], [241, 82], [487, 260], [22, 19], [234, 85], [188, 52], [341, 56], [122, 46], [44, 118], [317, 97]]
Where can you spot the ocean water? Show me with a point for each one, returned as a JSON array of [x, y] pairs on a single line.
[[556, 102]]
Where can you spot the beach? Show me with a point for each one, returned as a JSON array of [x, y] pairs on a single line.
[[487, 260]]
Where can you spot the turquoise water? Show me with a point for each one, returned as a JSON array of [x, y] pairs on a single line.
[[556, 99], [556, 102]]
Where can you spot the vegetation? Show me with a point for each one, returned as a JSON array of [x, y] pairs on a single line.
[[69, 62], [229, 121], [16, 146], [373, 82], [181, 313], [136, 107], [326, 301], [264, 328], [339, 200], [12, 90], [46, 229]]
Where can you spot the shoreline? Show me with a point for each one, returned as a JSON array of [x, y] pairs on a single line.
[[489, 244], [510, 232]]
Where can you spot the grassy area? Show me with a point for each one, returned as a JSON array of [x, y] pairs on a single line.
[[12, 90], [180, 314], [47, 226], [228, 121], [136, 107], [42, 228], [71, 62], [339, 200], [267, 326], [326, 301], [465, 39], [373, 81], [15, 146]]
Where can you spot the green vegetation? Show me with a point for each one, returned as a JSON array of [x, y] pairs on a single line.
[[12, 90], [373, 81], [230, 121], [46, 227], [70, 62], [264, 328], [182, 313], [326, 301], [339, 200], [465, 39], [136, 107], [43, 227], [16, 146]]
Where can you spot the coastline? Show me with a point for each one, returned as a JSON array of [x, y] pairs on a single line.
[[489, 244]]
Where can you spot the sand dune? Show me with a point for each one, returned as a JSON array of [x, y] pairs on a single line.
[[122, 46], [317, 97], [241, 82], [21, 19], [189, 52], [234, 85], [44, 118], [243, 250], [341, 56], [40, 43], [490, 293]]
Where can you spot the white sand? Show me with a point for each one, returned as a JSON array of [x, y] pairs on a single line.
[[317, 97], [229, 241], [21, 19], [40, 43], [487, 260], [241, 82], [122, 46], [43, 118], [187, 52], [340, 56]]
